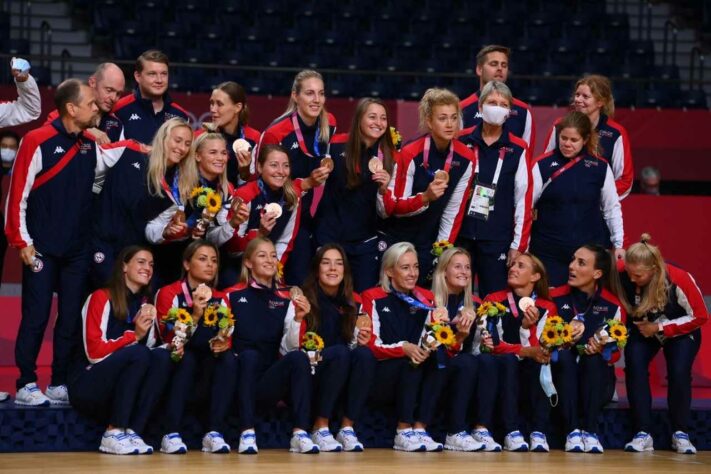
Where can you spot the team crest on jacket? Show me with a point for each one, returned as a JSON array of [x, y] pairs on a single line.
[[600, 309], [605, 133], [273, 304], [84, 147], [99, 257], [589, 163]]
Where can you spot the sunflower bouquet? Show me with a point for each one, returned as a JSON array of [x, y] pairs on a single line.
[[440, 246], [217, 315], [556, 335], [487, 318], [396, 137], [312, 344], [438, 337], [208, 203], [612, 335], [181, 322]]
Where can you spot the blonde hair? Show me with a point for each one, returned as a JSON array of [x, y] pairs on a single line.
[[541, 286], [432, 98], [157, 161], [290, 196], [197, 146], [245, 273], [655, 295], [390, 258], [601, 89], [439, 283], [324, 130]]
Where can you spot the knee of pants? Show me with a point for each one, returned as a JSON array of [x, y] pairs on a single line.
[[298, 361], [137, 352], [248, 361], [337, 352], [464, 362], [228, 361], [487, 366], [160, 359], [508, 363], [363, 354]]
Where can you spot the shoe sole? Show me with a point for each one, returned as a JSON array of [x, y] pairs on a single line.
[[336, 450], [25, 404], [522, 449], [539, 449], [357, 449], [109, 451], [456, 448], [313, 450], [575, 450], [632, 450], [594, 451], [178, 451], [249, 450], [421, 449], [438, 449], [222, 450]]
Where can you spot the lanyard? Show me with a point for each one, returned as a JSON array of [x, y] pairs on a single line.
[[263, 191], [562, 170], [499, 165], [186, 293], [581, 316], [426, 155], [412, 301], [512, 304], [173, 190], [300, 137], [379, 156]]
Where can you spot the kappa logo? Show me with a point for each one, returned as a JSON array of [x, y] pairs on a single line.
[[554, 163], [478, 115], [502, 257], [566, 306], [59, 149], [242, 300], [137, 165], [259, 207], [134, 117], [386, 310], [294, 145]]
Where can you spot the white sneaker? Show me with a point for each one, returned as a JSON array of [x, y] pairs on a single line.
[[138, 442], [431, 445], [4, 396], [301, 443], [117, 442], [682, 444], [172, 443], [591, 443], [213, 442], [640, 443], [574, 442], [57, 394], [482, 435], [248, 443], [539, 443], [515, 441], [462, 441], [407, 440], [348, 439], [325, 441], [30, 395]]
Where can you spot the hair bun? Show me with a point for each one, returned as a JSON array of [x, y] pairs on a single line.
[[644, 238]]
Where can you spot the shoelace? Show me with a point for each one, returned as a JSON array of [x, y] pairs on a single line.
[[484, 434], [538, 435], [683, 436], [248, 436], [515, 434], [409, 434], [575, 434], [641, 436], [591, 435], [348, 432]]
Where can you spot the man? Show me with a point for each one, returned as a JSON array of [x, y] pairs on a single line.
[[48, 220], [28, 105], [492, 63], [144, 111]]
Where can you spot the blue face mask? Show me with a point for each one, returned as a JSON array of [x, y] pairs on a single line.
[[546, 379]]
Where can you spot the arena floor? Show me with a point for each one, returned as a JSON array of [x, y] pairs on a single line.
[[374, 460]]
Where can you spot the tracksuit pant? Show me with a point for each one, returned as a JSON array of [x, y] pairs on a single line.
[[582, 384], [498, 381], [360, 381], [398, 382]]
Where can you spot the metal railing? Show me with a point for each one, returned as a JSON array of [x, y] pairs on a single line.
[[696, 55], [674, 29], [45, 42]]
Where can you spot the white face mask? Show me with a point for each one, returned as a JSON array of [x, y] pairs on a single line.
[[494, 114], [7, 155]]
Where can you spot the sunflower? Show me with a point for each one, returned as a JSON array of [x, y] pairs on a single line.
[[483, 309], [184, 317], [396, 137], [196, 190], [214, 202], [548, 337], [312, 342], [280, 271], [566, 334], [209, 319], [619, 333], [501, 308], [554, 320], [445, 335]]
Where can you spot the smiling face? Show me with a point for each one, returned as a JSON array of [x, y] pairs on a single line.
[[403, 275], [495, 68], [444, 122], [374, 123], [212, 158], [152, 80], [310, 99], [458, 274], [331, 271], [570, 142], [581, 271], [584, 101], [521, 273], [202, 266], [223, 111], [138, 271], [275, 170], [263, 262], [177, 144]]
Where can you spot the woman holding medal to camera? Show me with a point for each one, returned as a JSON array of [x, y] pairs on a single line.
[[121, 376], [497, 224], [667, 310], [191, 207], [363, 163], [346, 361], [575, 198], [587, 301], [206, 366], [264, 315], [428, 195], [398, 310], [271, 206]]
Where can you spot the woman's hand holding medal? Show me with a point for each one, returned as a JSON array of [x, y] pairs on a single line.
[[531, 314], [177, 228], [239, 212], [301, 303], [201, 296], [437, 187], [267, 221], [463, 322]]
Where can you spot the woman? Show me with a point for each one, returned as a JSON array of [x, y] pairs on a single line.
[[272, 206], [498, 220], [124, 206], [513, 338], [229, 114], [573, 191], [667, 310], [121, 378], [587, 301], [207, 366], [364, 160], [592, 96], [452, 289], [429, 193], [398, 310], [334, 309], [262, 313], [182, 220]]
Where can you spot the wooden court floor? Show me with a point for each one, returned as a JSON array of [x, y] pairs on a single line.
[[372, 461]]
